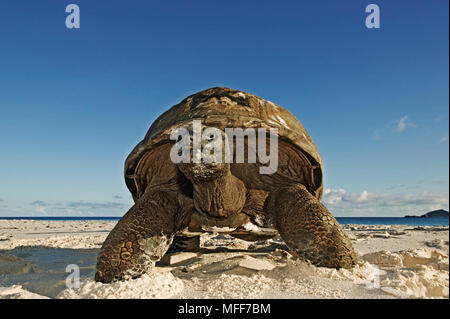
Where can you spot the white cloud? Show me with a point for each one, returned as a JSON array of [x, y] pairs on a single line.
[[444, 139], [341, 198], [333, 196], [363, 197], [69, 208], [95, 205], [337, 196], [394, 126], [403, 123]]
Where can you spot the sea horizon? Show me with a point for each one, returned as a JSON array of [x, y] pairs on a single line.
[[409, 221]]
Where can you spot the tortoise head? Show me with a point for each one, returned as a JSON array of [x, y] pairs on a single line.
[[207, 152]]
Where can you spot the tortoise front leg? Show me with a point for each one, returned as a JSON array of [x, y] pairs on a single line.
[[308, 228], [140, 238]]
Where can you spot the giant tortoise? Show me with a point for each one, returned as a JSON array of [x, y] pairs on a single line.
[[175, 202]]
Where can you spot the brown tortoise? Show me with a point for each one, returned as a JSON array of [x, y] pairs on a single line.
[[177, 202]]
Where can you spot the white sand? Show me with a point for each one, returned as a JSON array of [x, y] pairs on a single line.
[[395, 262]]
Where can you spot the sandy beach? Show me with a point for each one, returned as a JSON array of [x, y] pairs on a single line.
[[395, 262]]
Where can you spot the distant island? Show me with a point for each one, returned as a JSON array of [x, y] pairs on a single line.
[[440, 213]]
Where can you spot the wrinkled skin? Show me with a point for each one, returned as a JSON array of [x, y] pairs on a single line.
[[174, 203]]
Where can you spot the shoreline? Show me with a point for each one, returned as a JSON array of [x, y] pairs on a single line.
[[396, 261]]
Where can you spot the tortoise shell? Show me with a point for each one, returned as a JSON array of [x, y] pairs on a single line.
[[226, 108]]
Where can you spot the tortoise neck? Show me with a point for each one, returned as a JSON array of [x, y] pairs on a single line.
[[221, 197]]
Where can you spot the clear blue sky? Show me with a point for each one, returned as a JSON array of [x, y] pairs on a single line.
[[73, 103]]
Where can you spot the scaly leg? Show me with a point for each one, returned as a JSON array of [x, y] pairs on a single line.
[[308, 228], [140, 238]]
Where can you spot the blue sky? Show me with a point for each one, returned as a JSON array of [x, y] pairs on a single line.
[[73, 103]]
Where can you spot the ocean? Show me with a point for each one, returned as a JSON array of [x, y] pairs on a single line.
[[342, 220]]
